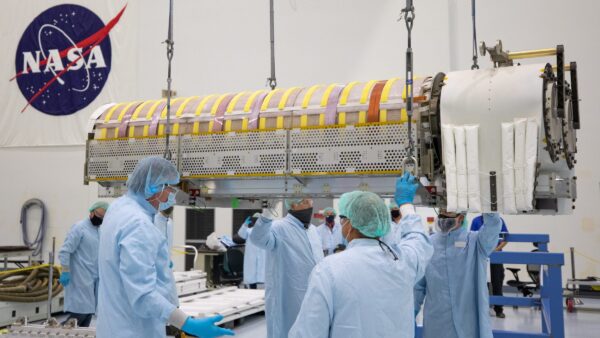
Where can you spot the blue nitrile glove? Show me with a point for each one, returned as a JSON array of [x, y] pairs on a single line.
[[248, 220], [205, 327], [406, 189], [170, 264], [65, 278]]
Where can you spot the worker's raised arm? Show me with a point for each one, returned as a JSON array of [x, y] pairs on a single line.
[[488, 235], [414, 245], [243, 231], [262, 234]]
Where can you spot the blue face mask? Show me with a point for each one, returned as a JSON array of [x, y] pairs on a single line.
[[169, 203]]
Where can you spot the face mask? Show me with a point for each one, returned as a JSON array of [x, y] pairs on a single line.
[[345, 241], [96, 221], [395, 213], [446, 224], [304, 215], [330, 219], [169, 203]]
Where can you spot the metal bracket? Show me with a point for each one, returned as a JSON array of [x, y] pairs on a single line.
[[493, 192], [560, 80], [574, 94], [409, 164], [499, 57]]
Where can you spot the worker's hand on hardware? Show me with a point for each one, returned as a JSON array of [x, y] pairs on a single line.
[[205, 327], [248, 220], [406, 189], [65, 278]]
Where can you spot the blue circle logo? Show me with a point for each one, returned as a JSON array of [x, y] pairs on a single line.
[[63, 59]]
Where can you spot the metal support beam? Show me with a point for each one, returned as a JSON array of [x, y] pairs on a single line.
[[527, 54], [539, 258], [512, 334], [515, 301], [526, 238], [552, 300]]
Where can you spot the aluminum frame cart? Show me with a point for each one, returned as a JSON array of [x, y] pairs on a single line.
[[572, 299]]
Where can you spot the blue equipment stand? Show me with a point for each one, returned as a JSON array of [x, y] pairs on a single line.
[[550, 295]]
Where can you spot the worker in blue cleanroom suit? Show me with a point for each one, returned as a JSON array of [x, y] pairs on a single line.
[[395, 233], [79, 259], [330, 232], [293, 248], [254, 257], [361, 291], [135, 278], [455, 283]]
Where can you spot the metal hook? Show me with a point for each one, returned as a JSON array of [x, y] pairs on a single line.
[[409, 162]]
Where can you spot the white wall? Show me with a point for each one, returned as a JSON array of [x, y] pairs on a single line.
[[222, 46]]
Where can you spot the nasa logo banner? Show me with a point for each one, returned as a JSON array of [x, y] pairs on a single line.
[[63, 59]]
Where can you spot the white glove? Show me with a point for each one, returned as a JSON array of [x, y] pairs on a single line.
[[268, 213]]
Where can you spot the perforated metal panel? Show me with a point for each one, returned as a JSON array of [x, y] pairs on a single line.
[[115, 159], [370, 149], [261, 153]]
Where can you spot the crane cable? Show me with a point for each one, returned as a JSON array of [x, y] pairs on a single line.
[[170, 50], [408, 14], [475, 55], [272, 80]]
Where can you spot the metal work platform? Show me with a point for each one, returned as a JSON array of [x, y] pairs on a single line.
[[15, 251], [23, 329]]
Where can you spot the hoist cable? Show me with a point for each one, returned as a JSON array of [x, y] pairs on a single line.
[[475, 54], [272, 80], [408, 14], [170, 49]]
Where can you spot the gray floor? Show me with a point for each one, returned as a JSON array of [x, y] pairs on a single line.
[[581, 324]]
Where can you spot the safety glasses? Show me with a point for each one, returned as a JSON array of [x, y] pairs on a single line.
[[343, 219], [446, 224]]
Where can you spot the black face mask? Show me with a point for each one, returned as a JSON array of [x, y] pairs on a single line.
[[252, 222], [304, 215], [330, 219], [96, 221], [395, 213]]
